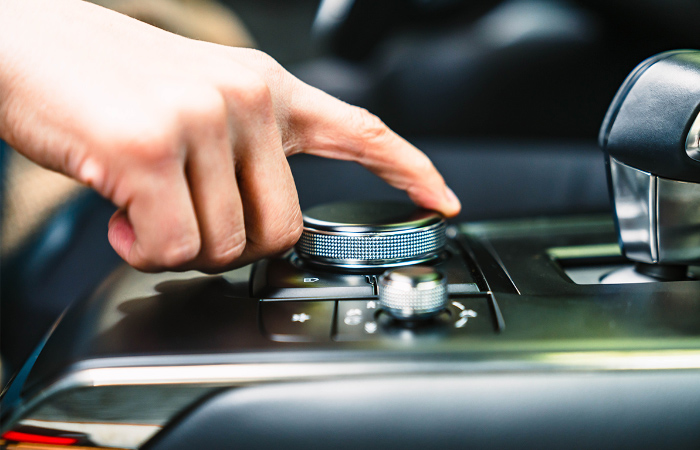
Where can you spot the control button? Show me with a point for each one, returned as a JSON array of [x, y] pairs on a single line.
[[292, 321], [360, 320], [471, 315], [412, 293], [280, 278], [463, 314], [357, 320], [369, 235]]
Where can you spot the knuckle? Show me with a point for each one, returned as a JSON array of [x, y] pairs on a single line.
[[370, 134], [178, 254], [170, 257], [227, 251], [156, 150], [260, 60], [261, 57], [149, 146], [208, 104], [286, 237], [253, 93], [370, 128], [293, 234], [212, 115], [425, 166]]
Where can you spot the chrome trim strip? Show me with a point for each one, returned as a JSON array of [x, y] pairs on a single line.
[[371, 249], [239, 375], [634, 192], [236, 375], [654, 218], [692, 141], [437, 224]]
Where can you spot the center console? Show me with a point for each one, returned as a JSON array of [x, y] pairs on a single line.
[[312, 349], [388, 326]]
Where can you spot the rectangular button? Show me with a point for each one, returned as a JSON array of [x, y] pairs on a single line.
[[356, 320], [294, 321], [360, 320], [278, 278]]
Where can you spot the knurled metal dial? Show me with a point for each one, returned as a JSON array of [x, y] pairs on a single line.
[[359, 235], [412, 293]]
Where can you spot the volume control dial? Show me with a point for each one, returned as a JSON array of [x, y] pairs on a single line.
[[359, 235]]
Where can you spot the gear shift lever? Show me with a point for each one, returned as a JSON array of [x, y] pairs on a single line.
[[650, 137]]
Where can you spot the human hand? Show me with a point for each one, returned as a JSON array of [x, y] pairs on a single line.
[[188, 139]]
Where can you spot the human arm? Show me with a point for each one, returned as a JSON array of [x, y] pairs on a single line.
[[188, 139]]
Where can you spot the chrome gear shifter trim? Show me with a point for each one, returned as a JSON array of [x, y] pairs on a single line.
[[634, 192], [658, 218]]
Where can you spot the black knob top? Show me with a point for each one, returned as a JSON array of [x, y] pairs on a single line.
[[648, 123]]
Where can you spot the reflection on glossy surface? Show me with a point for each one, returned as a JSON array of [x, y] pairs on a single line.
[[658, 218], [634, 192], [626, 275], [678, 221]]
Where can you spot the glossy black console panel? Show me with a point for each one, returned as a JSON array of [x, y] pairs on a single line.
[[513, 311], [495, 410]]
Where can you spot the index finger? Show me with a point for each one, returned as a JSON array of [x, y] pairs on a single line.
[[325, 126]]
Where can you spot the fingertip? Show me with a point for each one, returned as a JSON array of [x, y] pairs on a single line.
[[440, 199], [452, 205], [121, 234]]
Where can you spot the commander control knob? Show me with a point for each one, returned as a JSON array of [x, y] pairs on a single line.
[[412, 293], [366, 235]]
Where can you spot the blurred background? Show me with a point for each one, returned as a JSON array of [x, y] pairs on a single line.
[[505, 96]]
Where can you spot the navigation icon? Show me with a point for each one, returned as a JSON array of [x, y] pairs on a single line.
[[301, 318]]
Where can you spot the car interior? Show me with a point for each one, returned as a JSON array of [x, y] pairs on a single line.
[[560, 309]]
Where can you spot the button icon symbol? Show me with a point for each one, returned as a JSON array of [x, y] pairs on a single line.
[[371, 327], [353, 317], [464, 317], [310, 280], [301, 318], [371, 305]]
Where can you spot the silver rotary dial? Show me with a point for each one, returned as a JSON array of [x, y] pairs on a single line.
[[412, 293], [359, 235]]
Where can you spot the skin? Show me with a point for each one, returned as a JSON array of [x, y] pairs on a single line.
[[189, 139]]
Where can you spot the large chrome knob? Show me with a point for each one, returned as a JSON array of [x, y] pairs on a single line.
[[362, 235], [412, 293]]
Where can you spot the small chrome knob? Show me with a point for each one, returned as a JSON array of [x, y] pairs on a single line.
[[366, 235], [412, 293]]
